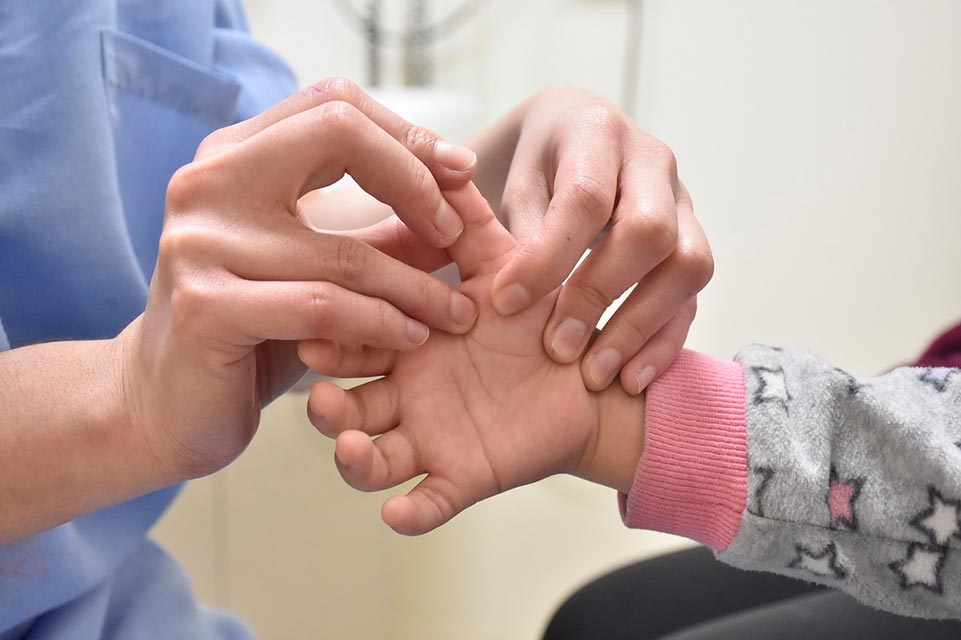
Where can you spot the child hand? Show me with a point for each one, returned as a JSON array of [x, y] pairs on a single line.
[[479, 413]]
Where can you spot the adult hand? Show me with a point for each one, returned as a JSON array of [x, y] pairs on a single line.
[[241, 276], [581, 164]]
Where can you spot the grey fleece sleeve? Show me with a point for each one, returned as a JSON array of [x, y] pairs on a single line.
[[850, 482]]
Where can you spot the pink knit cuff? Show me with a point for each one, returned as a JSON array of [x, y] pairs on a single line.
[[691, 479]]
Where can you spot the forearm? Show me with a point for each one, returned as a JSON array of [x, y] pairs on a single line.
[[66, 446]]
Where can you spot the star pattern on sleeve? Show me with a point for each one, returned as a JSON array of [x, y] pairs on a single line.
[[823, 563], [771, 387], [922, 567], [841, 496], [853, 385], [941, 521], [766, 474], [937, 377]]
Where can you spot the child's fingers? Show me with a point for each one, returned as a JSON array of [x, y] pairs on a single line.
[[332, 358], [375, 464], [485, 244], [660, 351], [372, 407], [433, 502]]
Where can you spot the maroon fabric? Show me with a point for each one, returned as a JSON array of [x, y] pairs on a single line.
[[945, 351]]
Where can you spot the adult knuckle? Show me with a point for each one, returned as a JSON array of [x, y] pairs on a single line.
[[653, 229], [182, 242], [319, 303], [185, 185], [337, 118], [417, 138], [697, 266], [594, 294], [350, 261], [334, 88], [663, 155], [589, 195]]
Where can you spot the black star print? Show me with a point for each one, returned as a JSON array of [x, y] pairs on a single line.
[[823, 564], [766, 474], [853, 385], [937, 377], [941, 521], [922, 567], [772, 387]]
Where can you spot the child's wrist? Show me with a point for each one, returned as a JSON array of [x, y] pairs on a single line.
[[617, 441]]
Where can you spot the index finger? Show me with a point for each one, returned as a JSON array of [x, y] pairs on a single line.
[[451, 165]]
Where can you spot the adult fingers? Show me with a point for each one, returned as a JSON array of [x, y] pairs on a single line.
[[345, 261], [315, 148], [395, 239], [452, 165], [345, 360], [657, 298], [372, 408], [584, 194], [305, 310], [643, 234], [656, 356]]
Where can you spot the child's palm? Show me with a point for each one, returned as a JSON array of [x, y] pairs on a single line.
[[479, 413]]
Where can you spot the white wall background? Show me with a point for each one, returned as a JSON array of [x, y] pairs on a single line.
[[821, 141]]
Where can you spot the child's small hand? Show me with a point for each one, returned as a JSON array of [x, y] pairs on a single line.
[[479, 413]]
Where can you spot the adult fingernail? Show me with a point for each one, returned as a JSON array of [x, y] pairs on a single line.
[[462, 310], [511, 299], [454, 156], [603, 366], [448, 223], [645, 376], [568, 338], [417, 332]]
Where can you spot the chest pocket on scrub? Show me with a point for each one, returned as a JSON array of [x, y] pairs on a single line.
[[161, 105]]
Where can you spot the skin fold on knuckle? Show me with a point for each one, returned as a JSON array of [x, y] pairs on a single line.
[[319, 305], [695, 267], [588, 196], [654, 228]]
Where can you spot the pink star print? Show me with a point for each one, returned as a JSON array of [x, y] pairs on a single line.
[[841, 497]]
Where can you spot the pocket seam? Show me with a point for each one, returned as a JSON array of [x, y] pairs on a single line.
[[159, 75]]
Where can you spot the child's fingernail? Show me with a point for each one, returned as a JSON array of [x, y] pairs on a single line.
[[511, 299], [447, 221], [568, 337], [645, 376], [603, 366], [454, 156], [417, 332], [462, 310]]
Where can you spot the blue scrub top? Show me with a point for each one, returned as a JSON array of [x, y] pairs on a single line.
[[102, 100]]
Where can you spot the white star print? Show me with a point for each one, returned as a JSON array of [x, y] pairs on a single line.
[[824, 563], [943, 523], [922, 567], [772, 387], [819, 566]]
